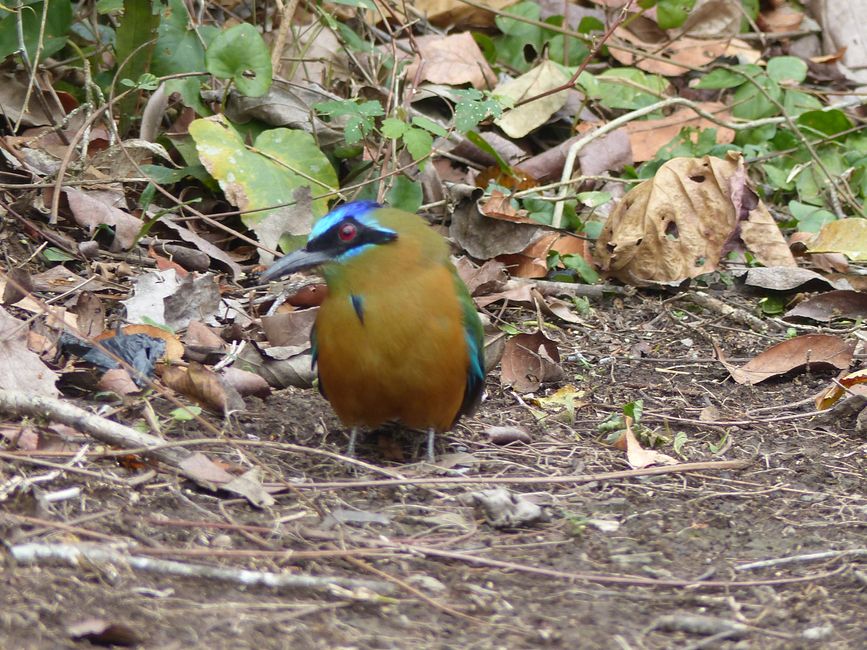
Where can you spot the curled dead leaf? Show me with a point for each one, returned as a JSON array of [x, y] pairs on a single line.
[[530, 360]]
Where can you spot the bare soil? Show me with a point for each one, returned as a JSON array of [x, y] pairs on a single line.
[[663, 551]]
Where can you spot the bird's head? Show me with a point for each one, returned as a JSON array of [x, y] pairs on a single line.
[[337, 237]]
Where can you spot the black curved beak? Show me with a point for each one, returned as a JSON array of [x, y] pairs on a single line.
[[296, 261]]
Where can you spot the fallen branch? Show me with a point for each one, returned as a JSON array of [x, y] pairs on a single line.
[[807, 557], [75, 554], [194, 465]]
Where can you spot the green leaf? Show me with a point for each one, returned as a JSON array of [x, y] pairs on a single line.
[[58, 20], [180, 47], [809, 217], [133, 50], [429, 125], [796, 103], [753, 100], [629, 88], [363, 4], [266, 174], [825, 122], [53, 254], [405, 194], [517, 35], [787, 69], [473, 107], [104, 7], [186, 413], [419, 143], [634, 410], [593, 199], [360, 121], [582, 267], [672, 13], [720, 79], [240, 54], [165, 175], [393, 128]]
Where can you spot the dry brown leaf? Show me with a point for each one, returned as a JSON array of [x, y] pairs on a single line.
[[680, 55], [91, 314], [503, 435], [528, 361], [101, 208], [118, 381], [636, 455], [839, 389], [482, 280], [23, 370], [452, 60], [18, 284], [204, 386], [445, 13], [521, 120], [485, 238], [816, 351], [647, 137], [245, 382], [679, 224], [289, 328], [200, 335], [831, 305], [499, 206], [780, 19], [846, 236]]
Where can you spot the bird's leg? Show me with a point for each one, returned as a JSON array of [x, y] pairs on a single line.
[[431, 457], [353, 436]]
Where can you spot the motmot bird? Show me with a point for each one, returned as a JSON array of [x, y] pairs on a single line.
[[397, 337]]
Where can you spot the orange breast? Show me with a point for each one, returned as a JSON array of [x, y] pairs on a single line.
[[407, 360]]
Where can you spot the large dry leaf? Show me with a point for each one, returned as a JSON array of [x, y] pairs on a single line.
[[101, 208], [453, 60], [679, 224], [22, 370], [832, 305], [204, 386], [518, 122], [528, 361], [816, 351], [485, 238], [846, 236], [680, 55], [445, 13], [289, 328]]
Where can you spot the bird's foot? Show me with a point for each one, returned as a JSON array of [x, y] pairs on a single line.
[[431, 456], [353, 438]]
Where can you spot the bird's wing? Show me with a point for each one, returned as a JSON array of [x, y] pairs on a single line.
[[314, 357], [475, 339]]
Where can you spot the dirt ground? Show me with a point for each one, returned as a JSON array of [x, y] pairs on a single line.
[[664, 552]]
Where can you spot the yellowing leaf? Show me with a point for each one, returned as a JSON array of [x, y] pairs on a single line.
[[847, 236], [280, 163], [519, 121]]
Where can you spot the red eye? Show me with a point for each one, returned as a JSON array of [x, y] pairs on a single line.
[[347, 232]]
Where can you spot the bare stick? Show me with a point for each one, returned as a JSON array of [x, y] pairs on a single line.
[[75, 554], [807, 557]]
